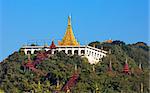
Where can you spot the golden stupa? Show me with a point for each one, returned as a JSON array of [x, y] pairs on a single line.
[[69, 38]]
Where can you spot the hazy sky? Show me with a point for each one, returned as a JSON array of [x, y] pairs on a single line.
[[23, 21]]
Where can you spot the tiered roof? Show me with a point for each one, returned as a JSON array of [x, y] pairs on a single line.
[[69, 38]]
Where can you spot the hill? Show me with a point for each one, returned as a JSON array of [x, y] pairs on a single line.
[[16, 78]]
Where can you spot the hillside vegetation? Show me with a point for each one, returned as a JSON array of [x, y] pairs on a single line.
[[14, 78]]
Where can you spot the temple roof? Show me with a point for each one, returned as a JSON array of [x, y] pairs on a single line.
[[126, 67], [109, 41], [52, 46], [69, 38]]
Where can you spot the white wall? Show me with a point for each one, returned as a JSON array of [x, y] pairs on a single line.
[[93, 54]]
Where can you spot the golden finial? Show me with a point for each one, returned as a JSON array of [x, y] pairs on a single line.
[[69, 20]]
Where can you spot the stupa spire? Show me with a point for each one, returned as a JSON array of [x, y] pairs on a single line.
[[69, 20], [69, 38]]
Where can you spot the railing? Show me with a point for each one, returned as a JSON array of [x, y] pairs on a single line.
[[71, 82]]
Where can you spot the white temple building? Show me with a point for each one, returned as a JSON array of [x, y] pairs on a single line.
[[70, 46]]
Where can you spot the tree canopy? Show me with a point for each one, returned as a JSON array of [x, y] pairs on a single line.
[[14, 78]]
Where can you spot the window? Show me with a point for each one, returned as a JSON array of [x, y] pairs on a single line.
[[35, 52], [76, 52], [92, 53], [55, 51], [89, 52], [63, 51], [69, 52], [97, 55], [82, 52], [28, 52]]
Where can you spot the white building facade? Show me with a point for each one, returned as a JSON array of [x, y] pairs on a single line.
[[92, 54], [70, 46]]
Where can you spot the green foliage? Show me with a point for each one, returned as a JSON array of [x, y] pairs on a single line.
[[14, 78]]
